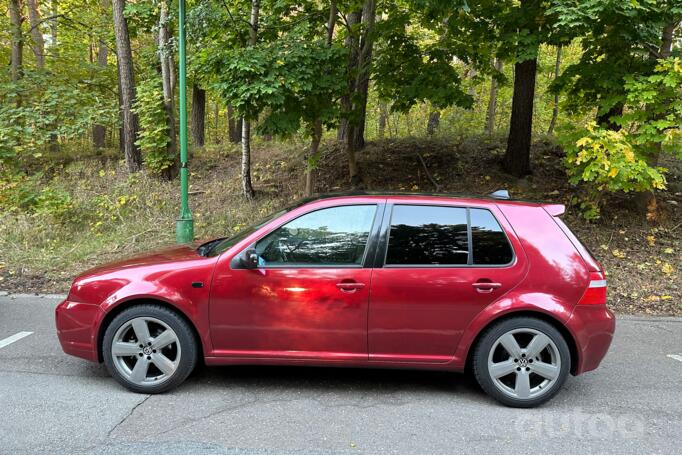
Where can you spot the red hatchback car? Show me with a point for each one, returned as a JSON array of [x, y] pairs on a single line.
[[363, 280]]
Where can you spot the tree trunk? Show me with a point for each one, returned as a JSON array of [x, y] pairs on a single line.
[[491, 113], [517, 155], [164, 59], [383, 119], [99, 132], [198, 115], [312, 156], [37, 36], [216, 122], [316, 136], [126, 79], [234, 126], [359, 86], [351, 43], [17, 57], [247, 187], [433, 123], [357, 127], [555, 110], [54, 7]]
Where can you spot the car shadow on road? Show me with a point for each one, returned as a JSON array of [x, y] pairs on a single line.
[[306, 378]]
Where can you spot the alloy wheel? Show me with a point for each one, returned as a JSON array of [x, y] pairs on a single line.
[[524, 363], [146, 351]]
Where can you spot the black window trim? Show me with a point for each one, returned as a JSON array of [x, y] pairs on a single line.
[[382, 249], [374, 232]]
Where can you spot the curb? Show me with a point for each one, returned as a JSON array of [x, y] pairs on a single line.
[[24, 296]]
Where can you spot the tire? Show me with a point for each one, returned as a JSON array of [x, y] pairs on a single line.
[[156, 336], [525, 370]]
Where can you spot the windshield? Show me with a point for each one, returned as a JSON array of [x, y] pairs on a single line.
[[218, 246]]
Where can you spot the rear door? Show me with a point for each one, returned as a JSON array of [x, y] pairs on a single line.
[[437, 266]]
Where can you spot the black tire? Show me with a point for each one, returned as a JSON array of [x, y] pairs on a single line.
[[486, 343], [185, 338]]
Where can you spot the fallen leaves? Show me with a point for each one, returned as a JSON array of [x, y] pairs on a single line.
[[618, 253]]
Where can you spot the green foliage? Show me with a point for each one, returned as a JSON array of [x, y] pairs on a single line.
[[21, 193], [290, 81], [411, 70], [625, 160], [608, 162], [655, 106], [153, 136], [62, 111]]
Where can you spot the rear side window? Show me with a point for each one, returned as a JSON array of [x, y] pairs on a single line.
[[428, 235], [441, 236], [491, 246]]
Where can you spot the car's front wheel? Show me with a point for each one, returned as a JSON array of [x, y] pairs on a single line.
[[521, 361], [149, 349]]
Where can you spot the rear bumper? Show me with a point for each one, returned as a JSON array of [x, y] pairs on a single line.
[[77, 328], [592, 327]]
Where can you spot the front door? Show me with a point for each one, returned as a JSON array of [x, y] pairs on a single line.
[[437, 274], [309, 296]]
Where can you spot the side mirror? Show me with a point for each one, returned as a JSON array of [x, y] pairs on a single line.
[[249, 260]]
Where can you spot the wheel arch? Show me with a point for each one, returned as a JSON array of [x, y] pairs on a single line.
[[119, 308], [568, 336]]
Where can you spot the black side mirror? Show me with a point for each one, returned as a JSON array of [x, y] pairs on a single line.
[[249, 260]]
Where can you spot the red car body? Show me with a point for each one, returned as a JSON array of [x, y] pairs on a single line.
[[372, 315]]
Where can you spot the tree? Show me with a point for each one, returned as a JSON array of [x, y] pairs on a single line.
[[17, 59], [34, 21], [247, 187], [517, 155], [99, 131], [133, 157], [358, 85], [555, 109], [316, 133], [491, 112], [198, 119], [433, 123], [166, 63], [234, 126]]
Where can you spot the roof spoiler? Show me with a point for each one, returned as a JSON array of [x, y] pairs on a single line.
[[500, 194], [554, 209]]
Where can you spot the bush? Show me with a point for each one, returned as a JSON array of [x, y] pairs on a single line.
[[607, 162], [153, 135], [19, 193]]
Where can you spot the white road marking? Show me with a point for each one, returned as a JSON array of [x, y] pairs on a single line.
[[676, 357], [16, 337]]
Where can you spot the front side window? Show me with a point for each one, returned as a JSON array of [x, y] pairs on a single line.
[[428, 235], [327, 237], [491, 246]]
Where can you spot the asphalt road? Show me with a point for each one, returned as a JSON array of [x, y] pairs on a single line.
[[51, 403]]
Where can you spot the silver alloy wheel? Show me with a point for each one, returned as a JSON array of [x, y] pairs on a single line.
[[145, 351], [524, 363]]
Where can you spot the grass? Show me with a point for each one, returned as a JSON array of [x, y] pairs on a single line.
[[112, 215]]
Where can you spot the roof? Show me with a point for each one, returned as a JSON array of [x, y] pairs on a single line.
[[360, 193]]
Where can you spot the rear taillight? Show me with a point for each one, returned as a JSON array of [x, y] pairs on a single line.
[[596, 290]]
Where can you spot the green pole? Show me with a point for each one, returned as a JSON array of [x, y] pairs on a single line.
[[184, 226]]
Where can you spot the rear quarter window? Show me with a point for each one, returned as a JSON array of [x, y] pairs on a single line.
[[490, 243]]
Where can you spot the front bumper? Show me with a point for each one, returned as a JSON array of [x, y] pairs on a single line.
[[77, 328], [592, 327]]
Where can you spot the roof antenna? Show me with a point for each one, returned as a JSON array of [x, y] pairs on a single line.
[[500, 194]]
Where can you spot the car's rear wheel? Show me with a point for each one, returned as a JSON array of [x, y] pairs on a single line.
[[522, 361], [149, 349]]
